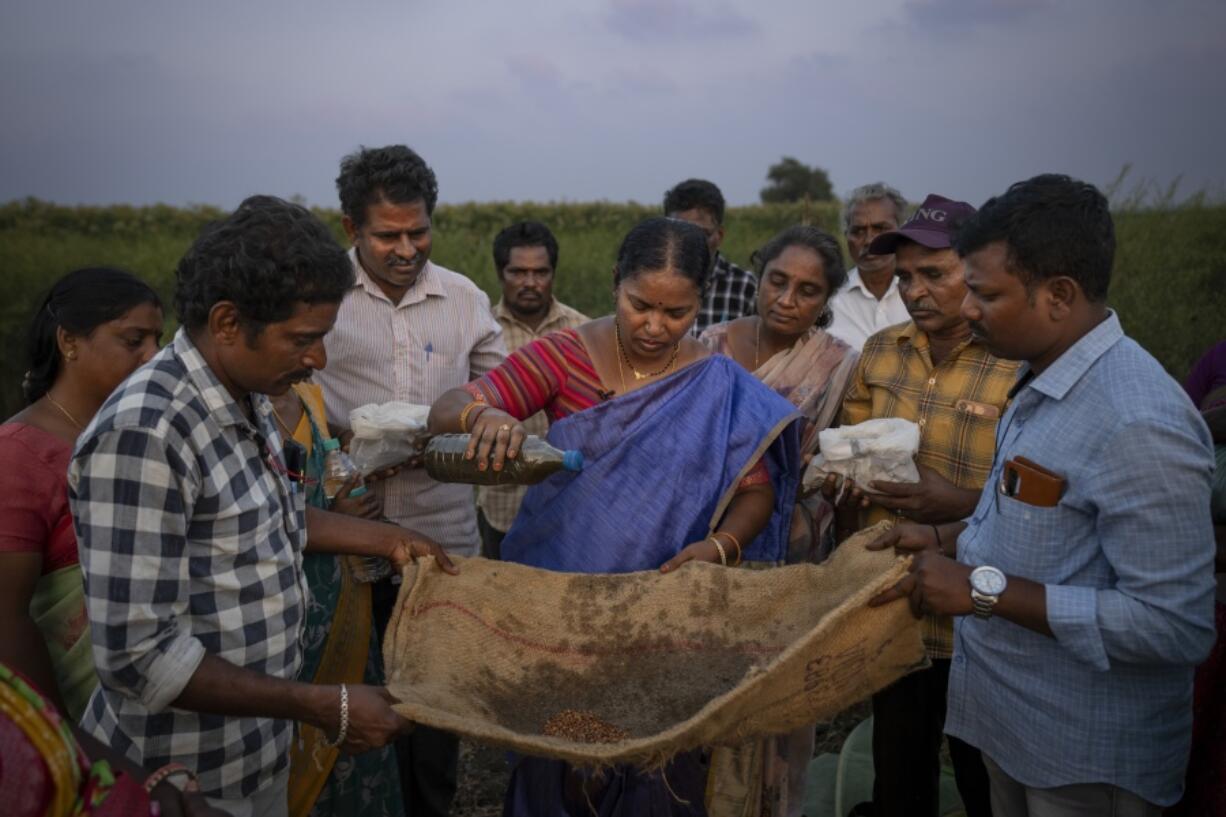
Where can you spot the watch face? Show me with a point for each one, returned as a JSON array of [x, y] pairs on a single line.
[[988, 581]]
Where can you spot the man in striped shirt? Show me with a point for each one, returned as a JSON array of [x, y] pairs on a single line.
[[525, 256], [407, 330]]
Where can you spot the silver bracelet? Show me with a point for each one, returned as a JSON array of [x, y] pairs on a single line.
[[340, 734]]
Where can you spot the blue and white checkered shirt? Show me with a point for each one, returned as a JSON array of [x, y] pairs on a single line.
[[1127, 560], [190, 544], [731, 293]]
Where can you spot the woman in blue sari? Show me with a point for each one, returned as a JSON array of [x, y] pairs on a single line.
[[687, 457]]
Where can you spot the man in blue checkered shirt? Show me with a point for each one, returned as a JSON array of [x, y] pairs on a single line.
[[731, 292], [192, 527], [1083, 580]]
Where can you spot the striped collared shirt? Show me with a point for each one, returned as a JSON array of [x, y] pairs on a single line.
[[440, 336], [501, 503], [956, 404], [191, 543]]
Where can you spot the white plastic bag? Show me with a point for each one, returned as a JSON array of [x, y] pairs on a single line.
[[873, 450], [387, 434]]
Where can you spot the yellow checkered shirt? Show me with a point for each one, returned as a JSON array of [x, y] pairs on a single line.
[[956, 404], [500, 503]]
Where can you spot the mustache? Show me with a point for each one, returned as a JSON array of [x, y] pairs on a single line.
[[397, 261]]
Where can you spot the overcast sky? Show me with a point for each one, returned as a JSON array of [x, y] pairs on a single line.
[[139, 101]]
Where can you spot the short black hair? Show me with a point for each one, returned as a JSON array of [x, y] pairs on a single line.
[[695, 194], [1052, 226], [395, 173], [663, 243], [821, 242], [524, 234], [265, 257], [79, 302]]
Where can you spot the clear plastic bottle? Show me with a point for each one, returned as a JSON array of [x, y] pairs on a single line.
[[338, 470], [537, 459]]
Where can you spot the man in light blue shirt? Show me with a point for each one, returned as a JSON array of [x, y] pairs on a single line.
[[1084, 578]]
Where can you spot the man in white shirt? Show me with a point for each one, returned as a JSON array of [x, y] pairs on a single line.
[[408, 330], [869, 301]]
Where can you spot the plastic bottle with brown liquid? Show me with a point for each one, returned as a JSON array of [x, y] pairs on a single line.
[[338, 470], [537, 459]]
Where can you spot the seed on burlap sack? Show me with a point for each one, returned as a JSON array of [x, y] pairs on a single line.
[[582, 726], [704, 656]]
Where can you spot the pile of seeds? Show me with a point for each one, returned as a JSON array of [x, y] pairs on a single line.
[[582, 726]]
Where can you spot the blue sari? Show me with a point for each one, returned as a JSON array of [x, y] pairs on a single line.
[[661, 465]]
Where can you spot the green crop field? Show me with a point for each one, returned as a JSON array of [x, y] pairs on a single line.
[[1169, 284]]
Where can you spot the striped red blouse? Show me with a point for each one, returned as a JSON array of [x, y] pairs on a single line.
[[555, 374]]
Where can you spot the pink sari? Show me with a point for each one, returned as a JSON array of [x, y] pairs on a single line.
[[813, 375]]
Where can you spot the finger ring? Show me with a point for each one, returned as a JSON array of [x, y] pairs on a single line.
[[504, 427]]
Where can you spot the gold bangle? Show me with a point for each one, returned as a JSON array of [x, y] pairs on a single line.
[[723, 557], [735, 541], [468, 410]]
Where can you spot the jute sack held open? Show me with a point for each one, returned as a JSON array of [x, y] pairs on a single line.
[[704, 656]]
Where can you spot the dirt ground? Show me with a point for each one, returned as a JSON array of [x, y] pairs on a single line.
[[484, 773]]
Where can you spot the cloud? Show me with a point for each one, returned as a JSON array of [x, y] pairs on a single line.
[[536, 72], [959, 14], [673, 20]]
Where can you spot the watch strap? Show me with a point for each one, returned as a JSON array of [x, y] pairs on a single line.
[[983, 605]]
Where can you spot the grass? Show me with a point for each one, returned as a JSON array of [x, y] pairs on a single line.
[[1169, 285]]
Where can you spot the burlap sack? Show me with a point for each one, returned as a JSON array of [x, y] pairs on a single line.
[[704, 656]]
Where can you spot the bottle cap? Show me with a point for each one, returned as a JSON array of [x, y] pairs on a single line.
[[572, 460], [331, 444]]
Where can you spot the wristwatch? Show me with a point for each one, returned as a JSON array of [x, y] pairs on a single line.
[[987, 583]]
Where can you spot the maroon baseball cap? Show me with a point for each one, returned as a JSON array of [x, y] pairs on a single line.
[[932, 226]]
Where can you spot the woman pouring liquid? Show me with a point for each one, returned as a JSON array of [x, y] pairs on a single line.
[[686, 457]]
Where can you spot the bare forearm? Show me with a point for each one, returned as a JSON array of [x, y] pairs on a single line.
[[339, 533], [947, 537], [445, 413], [1024, 602], [964, 505], [23, 648], [748, 513], [221, 688]]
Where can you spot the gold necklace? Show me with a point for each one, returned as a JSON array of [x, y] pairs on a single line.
[[280, 421], [64, 411], [617, 334]]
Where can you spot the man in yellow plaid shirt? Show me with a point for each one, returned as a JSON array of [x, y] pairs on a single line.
[[525, 258], [930, 371]]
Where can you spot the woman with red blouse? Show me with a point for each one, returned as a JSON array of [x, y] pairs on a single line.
[[687, 457], [94, 328]]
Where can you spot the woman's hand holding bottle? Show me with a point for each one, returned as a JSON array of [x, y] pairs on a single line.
[[494, 433]]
